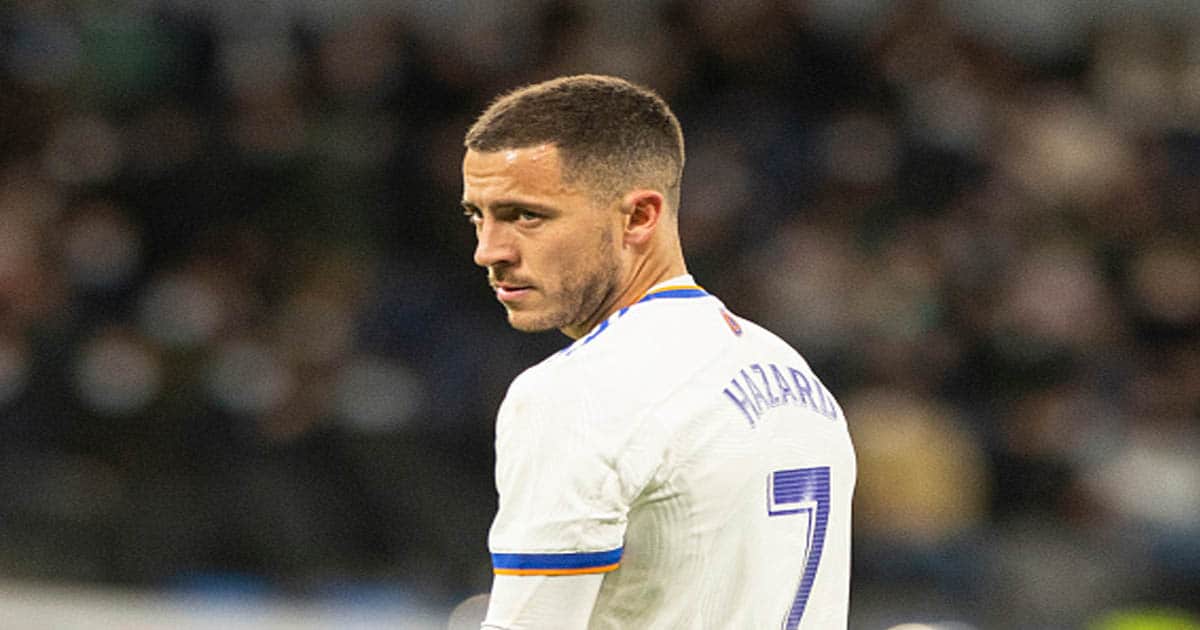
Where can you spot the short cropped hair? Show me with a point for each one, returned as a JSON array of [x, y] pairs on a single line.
[[612, 136]]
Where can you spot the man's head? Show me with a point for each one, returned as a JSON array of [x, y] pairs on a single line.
[[566, 182], [612, 136]]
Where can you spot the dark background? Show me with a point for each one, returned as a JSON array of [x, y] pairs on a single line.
[[243, 348]]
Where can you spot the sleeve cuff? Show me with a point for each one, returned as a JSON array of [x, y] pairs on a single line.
[[556, 563]]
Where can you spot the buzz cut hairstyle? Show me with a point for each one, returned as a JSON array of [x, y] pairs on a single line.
[[612, 136]]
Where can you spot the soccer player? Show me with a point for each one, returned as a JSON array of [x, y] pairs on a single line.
[[676, 466]]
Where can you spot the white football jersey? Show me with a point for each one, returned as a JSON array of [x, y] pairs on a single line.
[[691, 456]]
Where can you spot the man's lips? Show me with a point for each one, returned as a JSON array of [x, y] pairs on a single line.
[[506, 291]]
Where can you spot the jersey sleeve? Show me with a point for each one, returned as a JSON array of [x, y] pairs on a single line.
[[562, 508], [538, 602]]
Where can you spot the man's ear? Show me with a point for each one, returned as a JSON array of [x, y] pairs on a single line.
[[643, 209]]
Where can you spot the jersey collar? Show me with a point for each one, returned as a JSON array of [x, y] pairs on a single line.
[[682, 286]]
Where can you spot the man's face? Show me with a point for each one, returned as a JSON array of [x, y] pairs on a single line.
[[549, 249]]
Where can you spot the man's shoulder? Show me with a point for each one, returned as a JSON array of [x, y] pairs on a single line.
[[616, 365], [558, 385], [641, 354], [686, 332]]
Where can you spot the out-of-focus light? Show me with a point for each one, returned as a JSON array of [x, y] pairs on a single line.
[[30, 290], [374, 395], [1063, 151], [24, 193], [315, 329], [270, 126], [181, 310], [1030, 29], [1138, 93], [1146, 619], [101, 249], [469, 614], [1189, 96], [922, 476], [1056, 293], [1166, 283], [1155, 479], [84, 149], [861, 149], [855, 18], [949, 113], [117, 374], [18, 247], [256, 67], [1188, 85], [807, 302], [247, 377]]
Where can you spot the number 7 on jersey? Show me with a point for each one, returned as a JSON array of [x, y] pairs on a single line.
[[794, 492]]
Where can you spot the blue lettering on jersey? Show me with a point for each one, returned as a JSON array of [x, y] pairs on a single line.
[[827, 406], [802, 390], [784, 389], [760, 401], [802, 387], [772, 400], [743, 402]]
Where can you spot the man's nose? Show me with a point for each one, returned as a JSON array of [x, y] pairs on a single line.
[[493, 245]]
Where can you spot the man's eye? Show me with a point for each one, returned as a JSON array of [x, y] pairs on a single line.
[[526, 215], [473, 216]]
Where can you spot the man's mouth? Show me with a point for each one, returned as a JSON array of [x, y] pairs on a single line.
[[507, 291]]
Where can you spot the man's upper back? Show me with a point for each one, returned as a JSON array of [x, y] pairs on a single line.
[[697, 448]]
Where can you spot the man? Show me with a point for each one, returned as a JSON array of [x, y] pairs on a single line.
[[676, 466]]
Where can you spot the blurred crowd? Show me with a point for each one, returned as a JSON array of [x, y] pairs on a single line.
[[243, 347]]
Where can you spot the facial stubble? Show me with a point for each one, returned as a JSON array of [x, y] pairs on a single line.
[[583, 292]]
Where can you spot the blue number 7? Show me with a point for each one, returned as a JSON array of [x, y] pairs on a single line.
[[797, 491]]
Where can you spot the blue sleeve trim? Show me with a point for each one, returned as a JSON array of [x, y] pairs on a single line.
[[543, 561]]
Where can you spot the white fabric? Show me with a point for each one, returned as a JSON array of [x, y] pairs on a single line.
[[540, 602], [670, 433]]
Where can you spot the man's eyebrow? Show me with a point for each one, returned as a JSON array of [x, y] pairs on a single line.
[[509, 204]]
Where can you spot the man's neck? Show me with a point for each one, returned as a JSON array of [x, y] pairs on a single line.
[[643, 276]]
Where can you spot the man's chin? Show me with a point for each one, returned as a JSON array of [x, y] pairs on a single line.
[[530, 323]]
